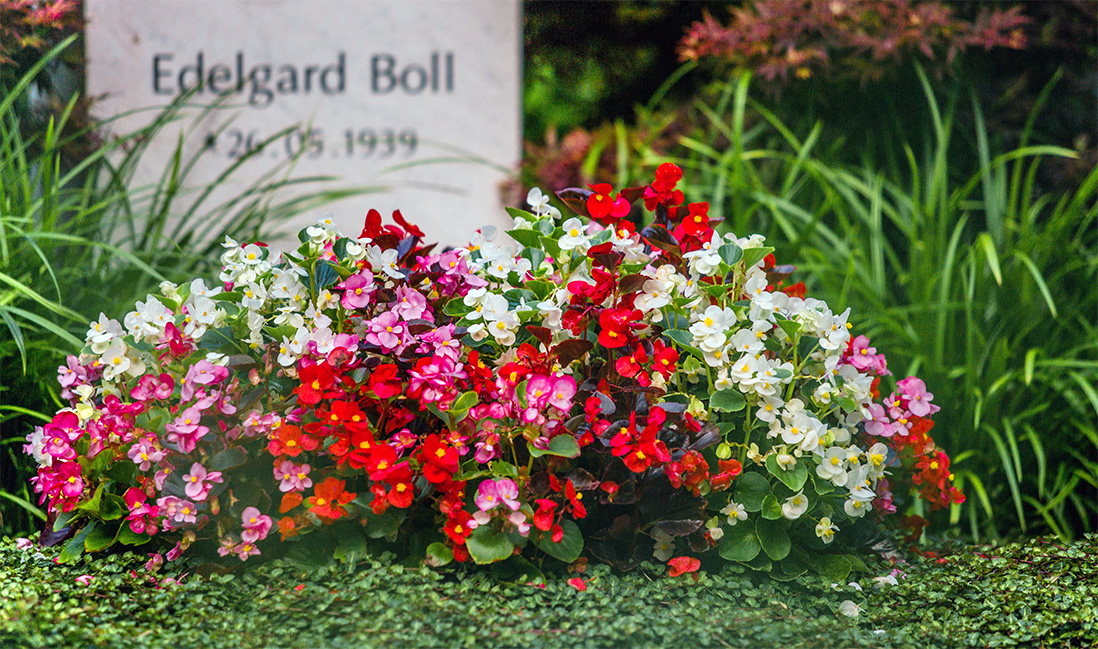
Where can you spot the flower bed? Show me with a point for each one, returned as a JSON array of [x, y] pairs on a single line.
[[593, 391]]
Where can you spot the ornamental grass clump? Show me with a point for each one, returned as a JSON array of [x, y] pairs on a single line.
[[582, 389]]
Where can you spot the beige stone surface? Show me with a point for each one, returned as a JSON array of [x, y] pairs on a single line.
[[419, 97]]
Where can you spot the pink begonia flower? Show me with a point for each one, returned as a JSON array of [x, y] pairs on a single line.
[[151, 387], [174, 553], [177, 511], [436, 378], [84, 580], [862, 356], [386, 332], [155, 561], [71, 479], [357, 290], [518, 519], [410, 303], [198, 482], [200, 374], [913, 390], [488, 449], [59, 448], [256, 526], [879, 424], [228, 546], [186, 429], [143, 517], [245, 550], [564, 388], [492, 493], [539, 389], [293, 476], [23, 543], [443, 343], [144, 454]]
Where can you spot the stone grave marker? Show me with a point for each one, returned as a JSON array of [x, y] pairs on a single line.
[[421, 97]]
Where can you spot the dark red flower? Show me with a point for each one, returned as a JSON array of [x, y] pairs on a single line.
[[384, 383]]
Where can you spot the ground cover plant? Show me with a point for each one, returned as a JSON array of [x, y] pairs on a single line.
[[1035, 594]]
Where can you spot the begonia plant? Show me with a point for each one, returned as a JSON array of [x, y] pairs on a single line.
[[624, 384]]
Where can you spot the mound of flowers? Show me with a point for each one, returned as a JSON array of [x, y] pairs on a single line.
[[578, 389]]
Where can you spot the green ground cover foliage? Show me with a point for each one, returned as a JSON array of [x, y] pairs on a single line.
[[1038, 594]]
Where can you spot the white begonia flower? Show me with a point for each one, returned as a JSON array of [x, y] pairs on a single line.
[[574, 236], [735, 512], [114, 360], [825, 529], [664, 544], [356, 250], [768, 409], [317, 317], [875, 460], [655, 294], [289, 316], [539, 204], [794, 506], [503, 329], [859, 502], [384, 261], [746, 341], [495, 306], [885, 580], [840, 434], [199, 289], [475, 300], [478, 331], [849, 608], [744, 369], [325, 299], [722, 381], [833, 466], [170, 291], [716, 358], [102, 332], [255, 328], [254, 296], [786, 461], [713, 526], [707, 259]]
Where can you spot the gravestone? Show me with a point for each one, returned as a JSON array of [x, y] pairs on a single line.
[[421, 97]]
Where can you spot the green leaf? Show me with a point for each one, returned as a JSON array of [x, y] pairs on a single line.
[[325, 275], [730, 253], [752, 256], [438, 555], [771, 509], [727, 401], [516, 213], [751, 490], [569, 548], [75, 547], [486, 545], [228, 458], [527, 238], [793, 478], [92, 506], [112, 507], [740, 543], [561, 446], [456, 308], [790, 327], [465, 401], [540, 289], [381, 526], [504, 470], [773, 537], [835, 567], [128, 537], [681, 336], [820, 486], [551, 247], [103, 536]]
